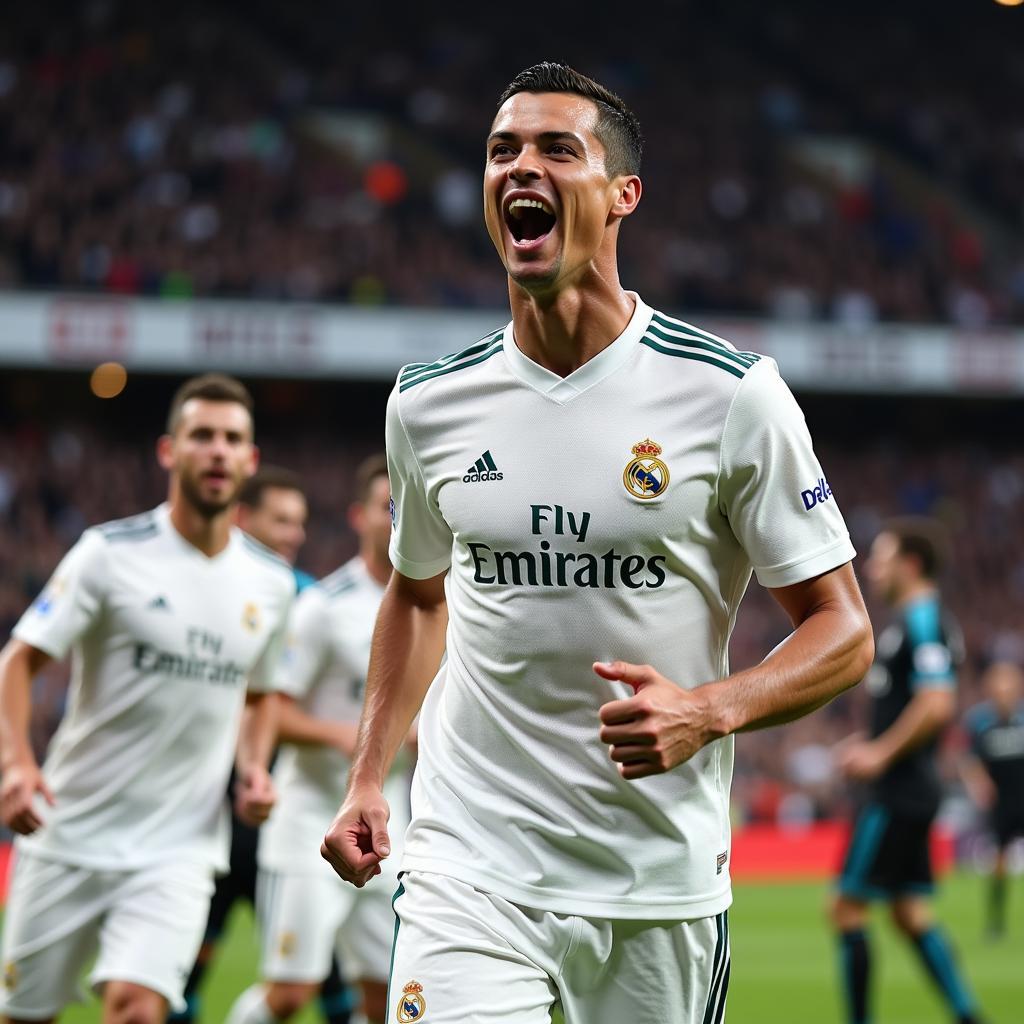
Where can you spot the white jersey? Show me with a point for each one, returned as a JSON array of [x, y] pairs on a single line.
[[165, 641], [613, 514], [324, 669]]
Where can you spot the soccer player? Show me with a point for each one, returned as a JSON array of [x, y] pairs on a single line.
[[994, 772], [585, 491], [175, 620], [304, 909], [913, 697], [272, 508]]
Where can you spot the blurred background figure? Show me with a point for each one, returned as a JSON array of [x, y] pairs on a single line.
[[913, 698], [993, 770]]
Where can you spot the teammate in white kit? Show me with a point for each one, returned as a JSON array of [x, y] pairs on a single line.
[[175, 620], [586, 491], [304, 909]]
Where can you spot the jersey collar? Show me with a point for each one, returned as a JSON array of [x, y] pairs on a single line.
[[607, 361]]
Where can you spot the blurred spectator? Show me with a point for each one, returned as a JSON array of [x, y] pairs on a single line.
[[277, 152]]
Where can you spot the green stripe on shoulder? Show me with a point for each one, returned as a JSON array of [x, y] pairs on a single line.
[[267, 554], [489, 350], [700, 357], [694, 333], [133, 528], [691, 341], [415, 369], [126, 536]]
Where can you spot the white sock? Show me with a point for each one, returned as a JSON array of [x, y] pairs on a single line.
[[251, 1008]]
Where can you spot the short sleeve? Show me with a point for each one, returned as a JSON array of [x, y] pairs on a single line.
[[70, 601], [772, 488], [306, 646], [262, 675], [932, 665], [421, 541]]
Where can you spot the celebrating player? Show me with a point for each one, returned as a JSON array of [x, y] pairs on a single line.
[[175, 620], [913, 691], [994, 772], [303, 908], [586, 491]]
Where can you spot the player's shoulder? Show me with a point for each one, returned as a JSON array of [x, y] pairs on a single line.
[[130, 530], [265, 560], [350, 583], [674, 343], [432, 379]]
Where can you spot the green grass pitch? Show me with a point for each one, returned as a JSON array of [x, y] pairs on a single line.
[[784, 968]]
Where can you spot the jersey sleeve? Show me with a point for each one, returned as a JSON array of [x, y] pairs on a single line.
[[307, 644], [421, 541], [262, 675], [932, 665], [771, 486], [70, 601]]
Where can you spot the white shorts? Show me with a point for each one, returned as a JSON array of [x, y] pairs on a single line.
[[147, 925], [465, 957], [305, 918]]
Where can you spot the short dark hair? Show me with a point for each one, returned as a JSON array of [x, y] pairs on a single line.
[[267, 478], [372, 467], [617, 128], [923, 539], [214, 387]]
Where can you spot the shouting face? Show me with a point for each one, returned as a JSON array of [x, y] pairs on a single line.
[[551, 210]]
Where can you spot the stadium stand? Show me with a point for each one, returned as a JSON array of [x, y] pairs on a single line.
[[199, 150]]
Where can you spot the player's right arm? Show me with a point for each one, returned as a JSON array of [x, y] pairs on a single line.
[[22, 778], [65, 609], [408, 642]]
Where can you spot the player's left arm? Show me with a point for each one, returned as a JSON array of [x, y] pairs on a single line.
[[829, 650], [254, 791], [930, 710], [772, 492]]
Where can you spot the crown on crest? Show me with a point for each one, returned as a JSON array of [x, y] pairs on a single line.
[[413, 986], [646, 447]]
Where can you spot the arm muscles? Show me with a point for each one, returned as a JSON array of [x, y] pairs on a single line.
[[829, 650], [258, 730], [408, 642], [19, 663]]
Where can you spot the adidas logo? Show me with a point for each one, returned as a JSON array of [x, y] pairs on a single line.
[[159, 604], [483, 469]]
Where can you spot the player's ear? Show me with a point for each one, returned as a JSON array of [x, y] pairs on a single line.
[[254, 458], [627, 197], [165, 452]]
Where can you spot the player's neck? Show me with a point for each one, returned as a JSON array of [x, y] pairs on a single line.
[[915, 591], [210, 534], [562, 331]]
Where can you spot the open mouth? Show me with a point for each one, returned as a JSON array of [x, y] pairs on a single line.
[[529, 220]]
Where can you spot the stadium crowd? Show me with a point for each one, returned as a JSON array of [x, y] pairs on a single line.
[[199, 150], [54, 482]]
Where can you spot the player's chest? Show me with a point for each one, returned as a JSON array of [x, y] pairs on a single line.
[[189, 612], [588, 472]]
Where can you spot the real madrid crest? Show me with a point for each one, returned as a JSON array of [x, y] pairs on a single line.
[[646, 476], [411, 1006], [251, 617]]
